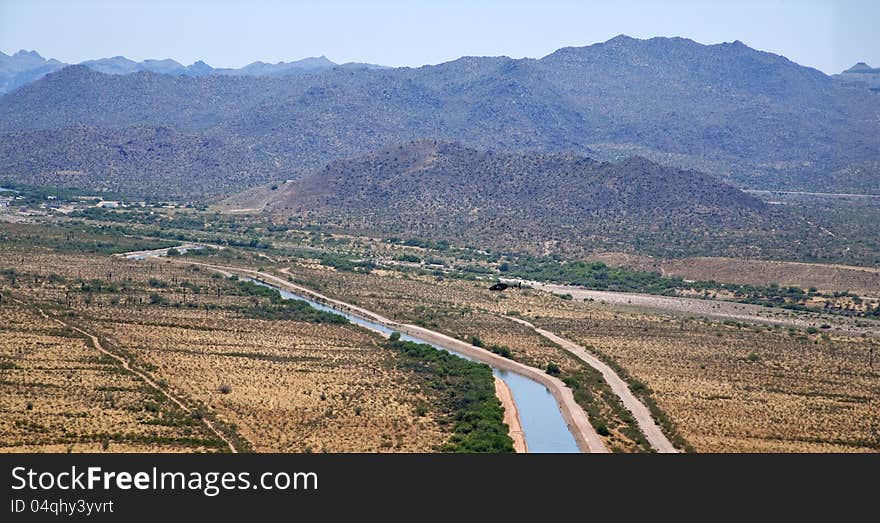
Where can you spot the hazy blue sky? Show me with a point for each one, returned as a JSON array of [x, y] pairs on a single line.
[[825, 34]]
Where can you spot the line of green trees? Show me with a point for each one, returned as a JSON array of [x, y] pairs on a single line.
[[464, 392], [280, 308]]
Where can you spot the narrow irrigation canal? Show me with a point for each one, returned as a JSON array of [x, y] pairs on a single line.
[[542, 422]]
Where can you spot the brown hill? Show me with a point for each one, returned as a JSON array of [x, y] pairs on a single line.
[[443, 190]]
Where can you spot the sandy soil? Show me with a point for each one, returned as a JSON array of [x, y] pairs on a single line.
[[864, 281], [511, 416], [155, 253]]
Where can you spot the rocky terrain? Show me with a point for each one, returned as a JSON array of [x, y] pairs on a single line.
[[444, 190]]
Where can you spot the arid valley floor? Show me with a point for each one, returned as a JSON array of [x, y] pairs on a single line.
[[209, 366]]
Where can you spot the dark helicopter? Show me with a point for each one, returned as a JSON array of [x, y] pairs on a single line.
[[501, 286]]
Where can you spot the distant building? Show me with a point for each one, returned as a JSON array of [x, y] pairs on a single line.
[[107, 204]]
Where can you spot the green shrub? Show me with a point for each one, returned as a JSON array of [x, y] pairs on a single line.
[[156, 283], [411, 258], [501, 350]]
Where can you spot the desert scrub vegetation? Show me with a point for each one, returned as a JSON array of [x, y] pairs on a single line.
[[463, 391], [76, 238], [728, 388], [806, 392], [646, 396], [597, 275], [286, 385], [803, 391], [59, 394], [281, 385]]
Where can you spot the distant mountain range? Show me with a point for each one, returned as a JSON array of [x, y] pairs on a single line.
[[24, 67], [750, 118], [861, 73]]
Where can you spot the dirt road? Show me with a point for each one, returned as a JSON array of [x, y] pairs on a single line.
[[640, 412]]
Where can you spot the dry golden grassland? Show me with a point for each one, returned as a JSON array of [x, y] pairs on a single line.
[[288, 386], [727, 386], [734, 389], [59, 394], [281, 385], [731, 387]]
